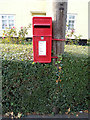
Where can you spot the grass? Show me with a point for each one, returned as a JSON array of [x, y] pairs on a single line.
[[77, 50], [25, 52], [16, 52]]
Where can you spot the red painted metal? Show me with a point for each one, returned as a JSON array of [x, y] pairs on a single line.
[[41, 24], [59, 39], [42, 36], [54, 57]]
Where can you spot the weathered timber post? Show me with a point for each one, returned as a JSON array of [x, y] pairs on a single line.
[[59, 25]]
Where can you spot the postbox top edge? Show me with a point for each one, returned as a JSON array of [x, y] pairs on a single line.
[[43, 17]]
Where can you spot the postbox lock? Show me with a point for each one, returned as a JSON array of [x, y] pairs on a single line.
[[42, 37]]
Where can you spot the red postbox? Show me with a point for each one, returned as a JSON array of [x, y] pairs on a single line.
[[42, 39]]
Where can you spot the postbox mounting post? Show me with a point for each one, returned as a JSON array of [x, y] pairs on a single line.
[[57, 40]]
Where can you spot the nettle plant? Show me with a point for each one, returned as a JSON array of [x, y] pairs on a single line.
[[71, 34]]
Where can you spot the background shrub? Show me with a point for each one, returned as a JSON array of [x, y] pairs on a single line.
[[10, 35]]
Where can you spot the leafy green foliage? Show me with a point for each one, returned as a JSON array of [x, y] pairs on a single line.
[[33, 87], [74, 85], [28, 87]]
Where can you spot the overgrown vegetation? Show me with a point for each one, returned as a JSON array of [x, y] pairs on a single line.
[[71, 34], [11, 36], [29, 87]]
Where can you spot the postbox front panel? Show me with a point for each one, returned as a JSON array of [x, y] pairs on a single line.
[[42, 26], [42, 31], [42, 49], [42, 20], [42, 38]]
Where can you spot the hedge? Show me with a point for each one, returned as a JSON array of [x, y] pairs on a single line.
[[33, 87], [75, 82], [28, 87]]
